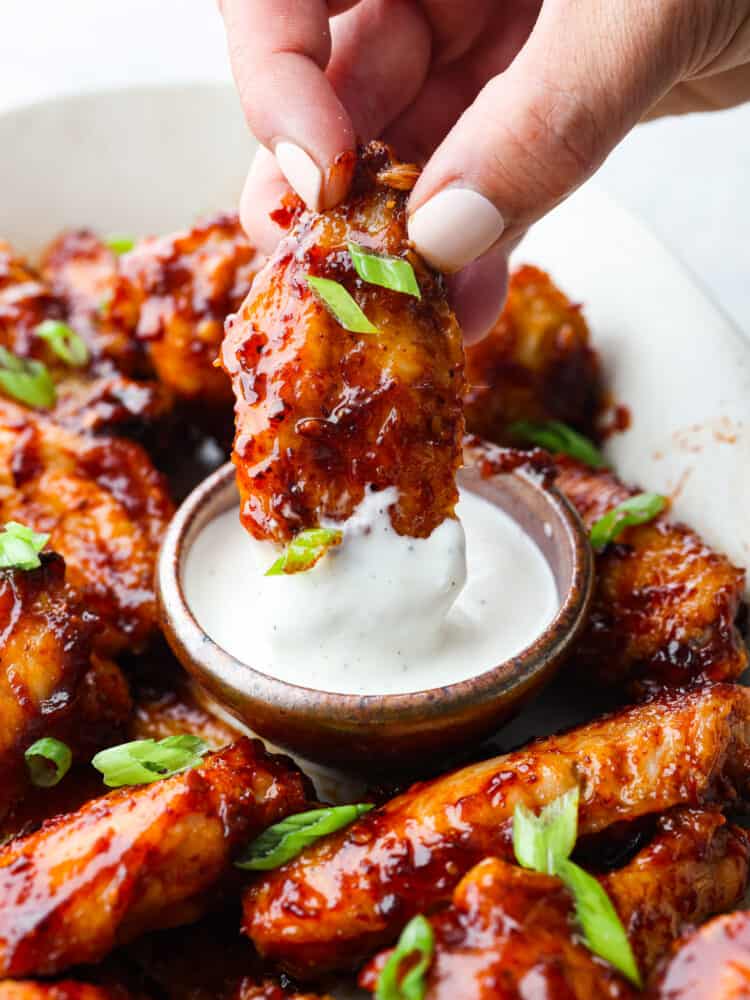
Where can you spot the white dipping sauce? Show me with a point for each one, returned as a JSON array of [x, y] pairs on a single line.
[[381, 613]]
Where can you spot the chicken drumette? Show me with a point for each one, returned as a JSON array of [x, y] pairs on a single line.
[[322, 413]]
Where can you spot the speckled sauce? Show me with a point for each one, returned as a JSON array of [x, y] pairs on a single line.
[[382, 613]]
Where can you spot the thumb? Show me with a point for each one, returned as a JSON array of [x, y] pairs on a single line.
[[584, 78]]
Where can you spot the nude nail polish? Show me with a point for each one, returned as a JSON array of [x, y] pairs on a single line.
[[455, 227], [302, 172]]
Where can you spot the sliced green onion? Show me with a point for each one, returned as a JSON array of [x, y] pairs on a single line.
[[20, 546], [544, 844], [558, 438], [48, 761], [601, 926], [144, 761], [305, 550], [285, 840], [417, 939], [539, 841], [27, 381], [388, 272], [64, 341], [341, 305], [640, 509], [118, 243]]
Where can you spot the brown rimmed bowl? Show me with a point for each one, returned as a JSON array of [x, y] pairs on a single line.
[[382, 732]]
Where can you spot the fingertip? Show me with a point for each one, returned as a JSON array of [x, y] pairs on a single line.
[[478, 293]]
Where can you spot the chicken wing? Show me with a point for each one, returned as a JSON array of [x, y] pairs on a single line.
[[184, 286], [508, 927], [106, 510], [45, 643], [136, 859], [713, 963], [353, 891], [666, 605], [62, 989], [323, 413], [536, 364]]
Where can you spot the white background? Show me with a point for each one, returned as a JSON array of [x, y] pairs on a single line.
[[687, 178]]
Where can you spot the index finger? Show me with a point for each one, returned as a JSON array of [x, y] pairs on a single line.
[[279, 50]]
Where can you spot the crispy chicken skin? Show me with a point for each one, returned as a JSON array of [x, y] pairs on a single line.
[[45, 641], [105, 507], [665, 605], [713, 963], [508, 927], [535, 364], [184, 286], [353, 891], [137, 859], [322, 413]]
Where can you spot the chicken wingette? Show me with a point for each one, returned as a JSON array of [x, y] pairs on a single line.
[[137, 859], [353, 891], [105, 508], [536, 363], [508, 927], [45, 645], [666, 605], [323, 413], [712, 963]]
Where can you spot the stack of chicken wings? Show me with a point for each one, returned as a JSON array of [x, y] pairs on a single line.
[[134, 892]]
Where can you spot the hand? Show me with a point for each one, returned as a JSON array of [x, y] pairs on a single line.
[[511, 104]]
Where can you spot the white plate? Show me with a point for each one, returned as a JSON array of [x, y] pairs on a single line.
[[149, 160]]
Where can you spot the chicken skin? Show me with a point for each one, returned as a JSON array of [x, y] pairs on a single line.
[[45, 643], [666, 605], [713, 963], [536, 364], [105, 508], [508, 927], [323, 413], [183, 287], [137, 859], [355, 890]]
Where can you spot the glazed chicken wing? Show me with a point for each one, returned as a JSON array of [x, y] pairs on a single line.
[[62, 989], [508, 927], [713, 963], [535, 364], [666, 605], [105, 507], [322, 413], [353, 891], [137, 859], [45, 642]]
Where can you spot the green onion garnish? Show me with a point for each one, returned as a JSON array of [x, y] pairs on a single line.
[[558, 438], [27, 381], [20, 546], [64, 341], [48, 761], [305, 550], [640, 509], [544, 843], [388, 272], [144, 761], [285, 840], [417, 939], [341, 305], [119, 244]]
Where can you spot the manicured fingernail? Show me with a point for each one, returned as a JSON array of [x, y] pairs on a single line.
[[455, 227], [301, 171]]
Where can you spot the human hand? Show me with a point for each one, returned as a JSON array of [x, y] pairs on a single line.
[[511, 105]]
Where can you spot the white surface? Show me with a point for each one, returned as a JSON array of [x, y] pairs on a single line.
[[381, 613], [687, 178]]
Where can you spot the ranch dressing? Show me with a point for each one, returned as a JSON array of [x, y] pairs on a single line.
[[381, 613]]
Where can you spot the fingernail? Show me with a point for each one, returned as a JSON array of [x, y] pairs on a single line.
[[301, 171], [455, 227]]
